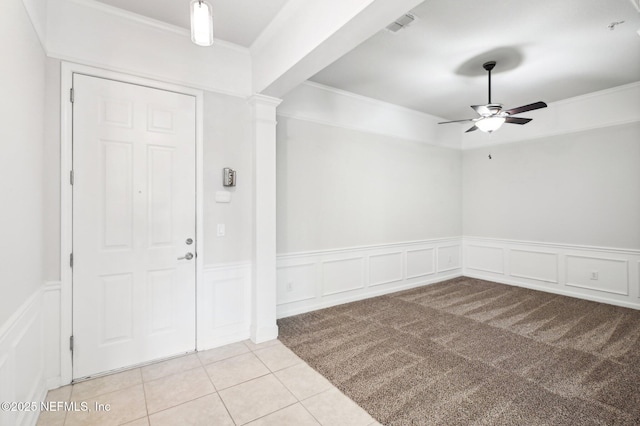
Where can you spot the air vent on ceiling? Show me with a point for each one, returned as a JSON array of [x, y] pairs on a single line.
[[400, 23]]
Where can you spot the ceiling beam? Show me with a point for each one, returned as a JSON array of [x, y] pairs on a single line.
[[307, 36]]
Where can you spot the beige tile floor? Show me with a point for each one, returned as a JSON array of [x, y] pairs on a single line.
[[242, 383]]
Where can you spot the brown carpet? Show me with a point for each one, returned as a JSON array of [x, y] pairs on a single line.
[[467, 351]]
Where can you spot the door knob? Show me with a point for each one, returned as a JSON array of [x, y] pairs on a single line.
[[187, 256]]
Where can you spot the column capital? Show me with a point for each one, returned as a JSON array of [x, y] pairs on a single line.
[[258, 99]]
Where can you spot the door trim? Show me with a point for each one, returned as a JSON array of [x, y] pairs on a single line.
[[66, 200]]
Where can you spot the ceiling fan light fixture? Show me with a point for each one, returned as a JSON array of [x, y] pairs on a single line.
[[490, 124], [201, 23], [492, 116]]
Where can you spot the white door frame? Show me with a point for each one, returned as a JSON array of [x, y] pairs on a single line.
[[66, 200]]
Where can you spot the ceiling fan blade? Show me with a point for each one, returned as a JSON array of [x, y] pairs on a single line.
[[481, 109], [472, 129], [456, 121], [517, 120], [525, 108]]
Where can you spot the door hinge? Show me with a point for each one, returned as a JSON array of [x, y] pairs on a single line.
[[71, 95], [71, 260], [71, 343], [71, 177]]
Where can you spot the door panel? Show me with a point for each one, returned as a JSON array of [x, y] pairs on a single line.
[[133, 209]]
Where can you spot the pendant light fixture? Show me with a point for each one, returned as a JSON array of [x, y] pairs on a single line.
[[201, 23]]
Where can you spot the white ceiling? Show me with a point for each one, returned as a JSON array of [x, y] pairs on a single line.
[[546, 50], [235, 21]]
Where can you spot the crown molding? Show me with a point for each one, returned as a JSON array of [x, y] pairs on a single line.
[[603, 92], [371, 101], [154, 23]]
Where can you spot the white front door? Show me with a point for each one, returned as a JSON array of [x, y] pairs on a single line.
[[134, 207]]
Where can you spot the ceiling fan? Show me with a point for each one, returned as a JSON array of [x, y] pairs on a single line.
[[492, 116]]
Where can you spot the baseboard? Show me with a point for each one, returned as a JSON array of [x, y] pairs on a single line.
[[264, 334], [601, 274], [22, 360], [314, 280]]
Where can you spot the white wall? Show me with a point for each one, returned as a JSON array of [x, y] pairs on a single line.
[[92, 33], [22, 91], [326, 105], [22, 95], [577, 188], [51, 172], [339, 188], [559, 200], [227, 143], [369, 199], [224, 73]]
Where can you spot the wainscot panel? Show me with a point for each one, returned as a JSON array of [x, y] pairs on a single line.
[[534, 265], [224, 305], [315, 280], [603, 274], [385, 268], [342, 275], [420, 262], [449, 258], [22, 361], [484, 258]]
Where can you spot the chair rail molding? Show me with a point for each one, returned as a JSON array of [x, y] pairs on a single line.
[[29, 353]]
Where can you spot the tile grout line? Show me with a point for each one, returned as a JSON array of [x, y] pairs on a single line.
[[299, 401], [216, 390], [144, 392]]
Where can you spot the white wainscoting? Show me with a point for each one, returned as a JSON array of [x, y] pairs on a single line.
[[601, 274], [53, 341], [314, 280], [224, 305], [30, 353]]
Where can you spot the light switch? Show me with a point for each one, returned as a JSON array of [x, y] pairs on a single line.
[[221, 230], [223, 197]]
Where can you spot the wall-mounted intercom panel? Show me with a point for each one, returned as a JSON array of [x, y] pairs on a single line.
[[228, 177]]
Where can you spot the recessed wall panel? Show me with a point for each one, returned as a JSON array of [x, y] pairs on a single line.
[[420, 262], [29, 360], [448, 258], [488, 259], [600, 274], [534, 265], [225, 297], [296, 283], [385, 268], [339, 276]]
